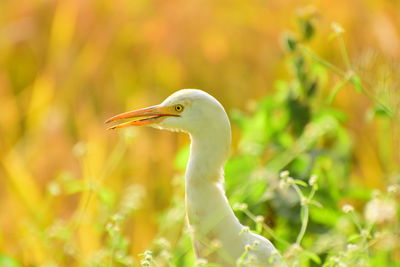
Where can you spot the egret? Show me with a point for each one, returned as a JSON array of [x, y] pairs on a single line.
[[211, 220]]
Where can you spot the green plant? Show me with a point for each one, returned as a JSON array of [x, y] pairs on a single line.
[[298, 130]]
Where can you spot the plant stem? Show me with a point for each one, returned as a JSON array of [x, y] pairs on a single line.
[[266, 228], [350, 76], [304, 223], [304, 212], [343, 52], [323, 62]]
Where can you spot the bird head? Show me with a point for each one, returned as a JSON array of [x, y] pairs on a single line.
[[188, 110]]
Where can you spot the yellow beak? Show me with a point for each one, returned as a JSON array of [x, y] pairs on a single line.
[[143, 116]]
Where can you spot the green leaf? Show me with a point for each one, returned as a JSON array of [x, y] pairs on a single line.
[[106, 196], [314, 257], [324, 216], [356, 81], [7, 261], [289, 43], [335, 90], [353, 238], [307, 29], [316, 203], [300, 182], [74, 186]]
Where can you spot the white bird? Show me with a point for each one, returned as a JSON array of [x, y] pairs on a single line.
[[210, 217]]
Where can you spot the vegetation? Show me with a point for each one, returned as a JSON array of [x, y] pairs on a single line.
[[297, 130], [294, 175]]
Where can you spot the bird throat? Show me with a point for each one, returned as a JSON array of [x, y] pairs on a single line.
[[210, 217]]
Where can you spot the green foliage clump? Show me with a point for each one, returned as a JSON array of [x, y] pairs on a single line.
[[297, 132]]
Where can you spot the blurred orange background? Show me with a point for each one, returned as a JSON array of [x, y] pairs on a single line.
[[66, 66]]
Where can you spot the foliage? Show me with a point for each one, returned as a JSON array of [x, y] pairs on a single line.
[[296, 132]]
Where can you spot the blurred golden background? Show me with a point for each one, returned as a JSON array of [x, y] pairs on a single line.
[[66, 66]]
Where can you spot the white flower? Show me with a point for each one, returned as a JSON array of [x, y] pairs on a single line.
[[259, 219], [337, 28], [284, 174], [290, 180], [201, 261], [248, 247], [240, 206], [394, 188], [79, 149], [54, 188], [380, 210], [245, 229], [352, 247], [313, 180], [347, 208]]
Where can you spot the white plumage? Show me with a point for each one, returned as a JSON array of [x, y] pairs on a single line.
[[210, 217]]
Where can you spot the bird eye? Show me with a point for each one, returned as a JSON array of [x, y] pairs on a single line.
[[179, 108]]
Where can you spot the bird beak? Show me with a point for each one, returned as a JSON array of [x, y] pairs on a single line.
[[143, 116]]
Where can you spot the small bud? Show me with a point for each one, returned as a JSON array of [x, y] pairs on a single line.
[[284, 174], [109, 226], [247, 247], [337, 28], [240, 206], [162, 242], [54, 188], [119, 255], [347, 208], [380, 210], [79, 149], [335, 259], [201, 261], [313, 180], [252, 258], [245, 229], [259, 219], [166, 255], [274, 256], [116, 217], [290, 180], [394, 188], [352, 247], [145, 263], [365, 233]]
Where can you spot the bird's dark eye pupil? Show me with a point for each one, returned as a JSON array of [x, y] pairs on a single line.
[[178, 108]]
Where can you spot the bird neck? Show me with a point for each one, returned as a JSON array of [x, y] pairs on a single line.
[[204, 171], [208, 153], [208, 211]]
